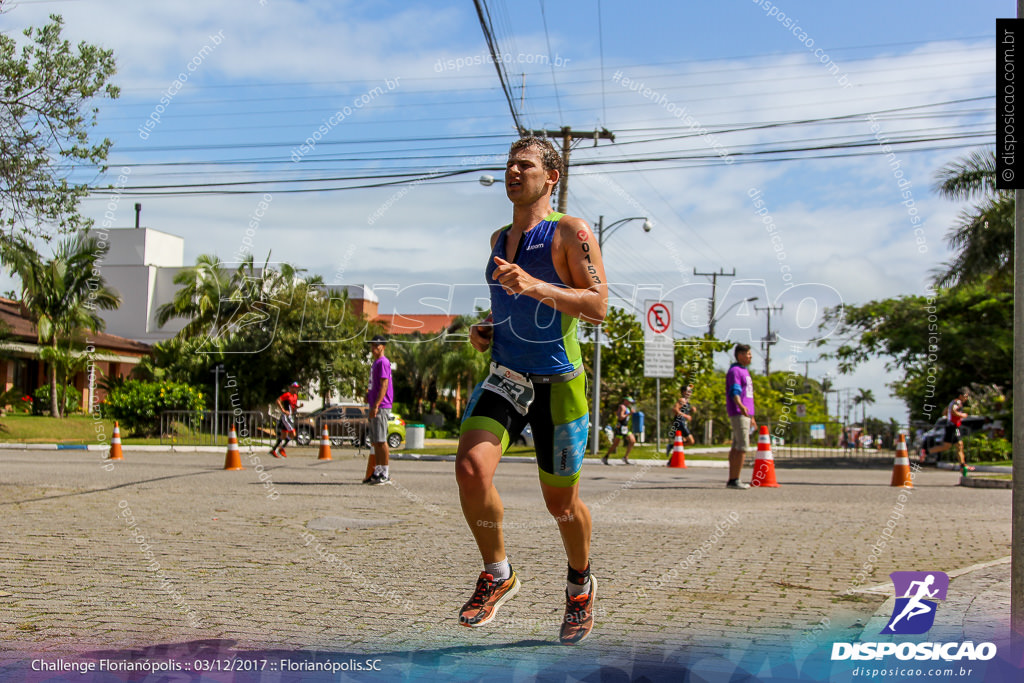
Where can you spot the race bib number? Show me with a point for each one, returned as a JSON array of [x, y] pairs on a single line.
[[624, 430], [517, 389]]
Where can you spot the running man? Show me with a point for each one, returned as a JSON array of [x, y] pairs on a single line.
[[955, 415], [623, 413], [545, 274], [682, 413], [914, 605], [287, 403]]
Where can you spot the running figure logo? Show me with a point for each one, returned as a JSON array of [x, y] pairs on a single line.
[[914, 613]]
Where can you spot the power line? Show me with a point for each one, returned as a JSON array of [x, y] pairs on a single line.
[[554, 81], [499, 64]]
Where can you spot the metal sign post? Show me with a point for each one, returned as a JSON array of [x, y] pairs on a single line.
[[659, 350]]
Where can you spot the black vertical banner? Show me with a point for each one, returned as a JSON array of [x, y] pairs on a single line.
[[1009, 83]]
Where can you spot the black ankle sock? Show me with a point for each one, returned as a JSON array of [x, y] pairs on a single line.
[[579, 578]]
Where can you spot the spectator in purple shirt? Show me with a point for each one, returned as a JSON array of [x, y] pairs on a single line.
[[739, 404], [379, 397]]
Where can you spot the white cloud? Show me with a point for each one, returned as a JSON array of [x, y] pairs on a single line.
[[841, 220]]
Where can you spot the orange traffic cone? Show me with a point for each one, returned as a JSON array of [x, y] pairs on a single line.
[[233, 461], [901, 466], [678, 456], [325, 445], [115, 444], [764, 465]]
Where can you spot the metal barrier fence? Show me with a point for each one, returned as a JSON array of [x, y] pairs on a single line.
[[205, 428], [192, 428], [829, 439]]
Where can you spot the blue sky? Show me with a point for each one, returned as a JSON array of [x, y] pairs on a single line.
[[410, 92]]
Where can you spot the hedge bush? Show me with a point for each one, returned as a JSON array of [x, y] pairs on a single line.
[[981, 448], [137, 405], [69, 395]]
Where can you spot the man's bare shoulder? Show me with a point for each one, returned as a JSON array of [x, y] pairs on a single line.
[[572, 225], [573, 230], [494, 235]]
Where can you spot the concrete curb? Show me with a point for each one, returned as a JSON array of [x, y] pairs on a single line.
[[53, 447], [982, 483], [144, 448], [994, 469]]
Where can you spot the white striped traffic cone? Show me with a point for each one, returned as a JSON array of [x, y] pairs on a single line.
[[901, 466]]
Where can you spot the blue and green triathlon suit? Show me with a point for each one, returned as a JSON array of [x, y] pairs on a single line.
[[535, 340]]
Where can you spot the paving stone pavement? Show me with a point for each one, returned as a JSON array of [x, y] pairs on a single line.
[[169, 548]]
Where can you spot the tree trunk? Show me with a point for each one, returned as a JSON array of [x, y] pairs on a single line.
[[54, 403]]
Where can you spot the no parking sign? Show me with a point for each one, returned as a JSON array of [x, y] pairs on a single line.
[[659, 345]]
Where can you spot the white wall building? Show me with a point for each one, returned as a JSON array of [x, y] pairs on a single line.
[[140, 267]]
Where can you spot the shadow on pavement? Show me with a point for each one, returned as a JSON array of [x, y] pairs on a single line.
[[113, 488]]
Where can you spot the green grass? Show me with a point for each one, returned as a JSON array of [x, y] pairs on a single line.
[[76, 429]]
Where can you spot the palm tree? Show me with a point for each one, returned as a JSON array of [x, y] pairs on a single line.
[[864, 398], [217, 301], [461, 366], [982, 236], [206, 286], [418, 360], [62, 294]]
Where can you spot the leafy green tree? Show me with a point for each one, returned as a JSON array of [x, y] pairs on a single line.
[[418, 362], [932, 341], [982, 236], [267, 326], [622, 359], [44, 128], [461, 366], [61, 294], [205, 297], [622, 369]]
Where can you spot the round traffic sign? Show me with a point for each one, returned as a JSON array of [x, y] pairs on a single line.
[[659, 318]]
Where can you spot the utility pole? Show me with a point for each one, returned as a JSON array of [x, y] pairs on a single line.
[[1017, 506], [714, 286], [595, 418], [567, 135], [807, 366], [768, 340]]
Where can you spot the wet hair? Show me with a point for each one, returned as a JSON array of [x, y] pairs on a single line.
[[549, 156]]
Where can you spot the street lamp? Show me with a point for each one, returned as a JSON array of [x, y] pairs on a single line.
[[722, 314], [487, 180], [602, 234]]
